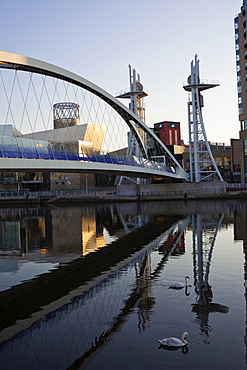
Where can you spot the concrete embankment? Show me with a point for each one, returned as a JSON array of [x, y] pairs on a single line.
[[126, 193], [164, 196]]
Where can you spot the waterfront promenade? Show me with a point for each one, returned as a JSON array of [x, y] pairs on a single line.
[[111, 195]]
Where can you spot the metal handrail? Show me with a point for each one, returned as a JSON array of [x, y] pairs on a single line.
[[97, 192]]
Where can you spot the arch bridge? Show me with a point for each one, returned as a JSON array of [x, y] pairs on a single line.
[[54, 120]]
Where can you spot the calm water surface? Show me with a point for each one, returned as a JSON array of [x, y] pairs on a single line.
[[87, 287]]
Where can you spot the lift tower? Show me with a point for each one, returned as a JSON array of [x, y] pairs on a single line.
[[202, 163], [136, 94]]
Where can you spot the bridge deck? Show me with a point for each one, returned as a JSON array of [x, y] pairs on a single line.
[[99, 164]]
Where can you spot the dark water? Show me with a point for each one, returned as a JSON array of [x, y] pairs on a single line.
[[87, 286]]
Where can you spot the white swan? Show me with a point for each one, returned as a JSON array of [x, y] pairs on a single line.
[[174, 342], [180, 285]]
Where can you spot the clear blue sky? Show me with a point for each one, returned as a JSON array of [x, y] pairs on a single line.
[[98, 39]]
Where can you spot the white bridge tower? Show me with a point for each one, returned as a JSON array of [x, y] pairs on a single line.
[[136, 94], [202, 163]]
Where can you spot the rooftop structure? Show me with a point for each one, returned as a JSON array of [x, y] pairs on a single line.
[[66, 114]]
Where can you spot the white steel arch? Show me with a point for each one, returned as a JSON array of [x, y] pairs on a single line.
[[23, 63]]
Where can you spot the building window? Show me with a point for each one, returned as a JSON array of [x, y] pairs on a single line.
[[176, 137], [245, 158], [218, 161], [170, 137], [163, 136], [245, 148]]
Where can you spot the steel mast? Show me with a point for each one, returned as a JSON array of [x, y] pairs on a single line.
[[202, 163], [136, 93]]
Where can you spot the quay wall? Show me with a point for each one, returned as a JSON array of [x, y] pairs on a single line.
[[129, 193], [180, 189]]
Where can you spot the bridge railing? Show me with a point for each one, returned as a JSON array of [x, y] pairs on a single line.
[[16, 147], [101, 193], [236, 186]]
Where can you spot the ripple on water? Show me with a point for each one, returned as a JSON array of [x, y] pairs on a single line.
[[133, 355]]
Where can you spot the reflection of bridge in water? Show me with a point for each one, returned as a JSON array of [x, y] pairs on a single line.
[[135, 252], [106, 297]]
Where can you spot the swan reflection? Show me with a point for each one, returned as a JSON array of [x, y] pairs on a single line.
[[184, 349]]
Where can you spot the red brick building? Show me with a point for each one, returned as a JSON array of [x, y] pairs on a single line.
[[168, 132]]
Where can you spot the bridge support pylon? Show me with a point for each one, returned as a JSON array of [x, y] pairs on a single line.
[[202, 163], [136, 94]]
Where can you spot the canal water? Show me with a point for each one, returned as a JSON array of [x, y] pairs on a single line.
[[89, 286]]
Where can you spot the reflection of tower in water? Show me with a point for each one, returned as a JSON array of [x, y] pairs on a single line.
[[147, 269], [146, 301], [204, 235]]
